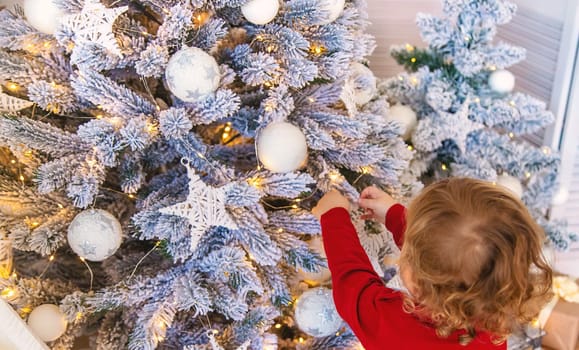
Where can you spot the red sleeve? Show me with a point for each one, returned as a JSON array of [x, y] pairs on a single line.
[[396, 223], [357, 289]]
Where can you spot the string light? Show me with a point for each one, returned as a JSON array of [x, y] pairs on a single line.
[[78, 315], [493, 68], [334, 176], [410, 148], [13, 161], [227, 127], [21, 177], [512, 103], [546, 150], [277, 326], [413, 60], [279, 230], [51, 258], [99, 116], [12, 86], [301, 339], [225, 135], [409, 48], [444, 167], [400, 78], [255, 182], [294, 206], [131, 196], [311, 100], [317, 49], [477, 100], [414, 81], [60, 206], [511, 135], [365, 170], [8, 293], [527, 174]]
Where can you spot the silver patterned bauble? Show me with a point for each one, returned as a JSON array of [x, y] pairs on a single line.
[[43, 15], [363, 82], [260, 11], [192, 74], [94, 234], [316, 314], [333, 9], [282, 147], [47, 322]]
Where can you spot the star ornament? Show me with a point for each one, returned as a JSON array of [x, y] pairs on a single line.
[[204, 207], [94, 24], [457, 126]]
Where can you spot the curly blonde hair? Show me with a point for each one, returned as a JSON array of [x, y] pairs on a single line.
[[475, 256]]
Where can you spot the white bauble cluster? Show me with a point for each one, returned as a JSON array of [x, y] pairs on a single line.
[[95, 234], [502, 81], [405, 116], [282, 147], [43, 15], [192, 74], [316, 314], [47, 322], [512, 184], [260, 11]]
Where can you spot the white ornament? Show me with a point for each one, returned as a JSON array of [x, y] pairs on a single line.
[[282, 147], [405, 116], [192, 74], [333, 9], [94, 24], [502, 81], [260, 11], [12, 104], [47, 322], [363, 82], [561, 197], [94, 234], [316, 313], [317, 245], [512, 184], [204, 207], [43, 15]]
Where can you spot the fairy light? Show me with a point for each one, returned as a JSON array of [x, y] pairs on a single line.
[[413, 60], [12, 86], [277, 326], [270, 48], [255, 182], [492, 68], [131, 196], [311, 100], [466, 38], [13, 161], [301, 339], [8, 292], [225, 136], [268, 84], [227, 128], [512, 103], [294, 206], [409, 48], [527, 174], [60, 206], [99, 116], [46, 44], [444, 167], [78, 316], [477, 100], [51, 258], [35, 224], [215, 331], [201, 18], [317, 49], [365, 170], [279, 230], [511, 135], [414, 81], [334, 176], [259, 37], [410, 148], [21, 177]]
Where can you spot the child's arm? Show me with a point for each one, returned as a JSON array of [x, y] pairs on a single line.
[[359, 293]]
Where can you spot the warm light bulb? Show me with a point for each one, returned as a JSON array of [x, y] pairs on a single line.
[[51, 258], [295, 206], [410, 148], [12, 86], [279, 230], [277, 326], [225, 135], [511, 135], [413, 59], [444, 167], [409, 48], [21, 177]]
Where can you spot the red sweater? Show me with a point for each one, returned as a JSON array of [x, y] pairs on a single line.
[[374, 311]]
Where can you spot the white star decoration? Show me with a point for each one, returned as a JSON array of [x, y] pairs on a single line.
[[204, 207], [457, 126], [94, 24], [12, 104]]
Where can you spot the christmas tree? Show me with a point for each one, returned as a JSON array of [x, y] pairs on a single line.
[[159, 161], [460, 114]]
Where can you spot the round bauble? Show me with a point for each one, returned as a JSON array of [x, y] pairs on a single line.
[[260, 11], [333, 9], [43, 15], [47, 322], [192, 74], [317, 245], [502, 81], [405, 116], [512, 184], [282, 147], [316, 314], [95, 234], [364, 83], [561, 197]]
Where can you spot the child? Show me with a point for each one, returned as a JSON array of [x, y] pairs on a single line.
[[470, 259]]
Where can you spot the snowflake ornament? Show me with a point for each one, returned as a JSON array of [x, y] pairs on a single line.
[[204, 207], [94, 24]]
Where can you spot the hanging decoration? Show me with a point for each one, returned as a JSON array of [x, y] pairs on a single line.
[[94, 234]]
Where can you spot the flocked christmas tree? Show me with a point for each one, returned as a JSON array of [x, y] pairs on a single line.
[[160, 159], [460, 114]]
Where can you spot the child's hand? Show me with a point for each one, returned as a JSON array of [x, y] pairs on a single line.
[[376, 203], [330, 200]]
